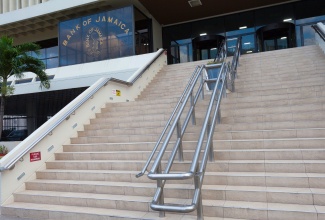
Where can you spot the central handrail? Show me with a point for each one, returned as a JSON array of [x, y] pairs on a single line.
[[168, 123], [196, 170]]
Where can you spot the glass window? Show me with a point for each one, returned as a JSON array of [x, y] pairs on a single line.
[[184, 53], [231, 45], [52, 63], [282, 43], [269, 45], [175, 33], [308, 35], [52, 52], [248, 44], [298, 36]]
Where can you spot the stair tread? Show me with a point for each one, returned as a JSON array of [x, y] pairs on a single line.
[[207, 173], [141, 215], [87, 211]]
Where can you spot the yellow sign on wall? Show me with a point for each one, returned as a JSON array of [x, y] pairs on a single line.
[[116, 92]]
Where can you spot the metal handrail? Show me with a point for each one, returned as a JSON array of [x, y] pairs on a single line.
[[220, 52], [68, 110], [196, 172], [168, 123]]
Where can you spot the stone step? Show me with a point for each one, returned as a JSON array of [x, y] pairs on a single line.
[[286, 89], [271, 125], [271, 154], [276, 117], [253, 144], [273, 97], [92, 130], [227, 105], [151, 135], [48, 211], [303, 196], [260, 84], [272, 106], [285, 143], [129, 138], [129, 203], [271, 134], [273, 110], [277, 166], [255, 72], [271, 179], [114, 155]]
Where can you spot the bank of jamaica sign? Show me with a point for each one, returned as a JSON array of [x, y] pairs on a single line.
[[97, 37]]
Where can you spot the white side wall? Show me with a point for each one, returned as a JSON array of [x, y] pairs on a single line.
[[13, 180]]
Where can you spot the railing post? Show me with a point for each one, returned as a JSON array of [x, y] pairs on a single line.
[[193, 112], [211, 154], [199, 208], [180, 147], [202, 83], [161, 198]]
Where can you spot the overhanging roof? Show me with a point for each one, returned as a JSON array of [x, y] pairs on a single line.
[[176, 11], [44, 18]]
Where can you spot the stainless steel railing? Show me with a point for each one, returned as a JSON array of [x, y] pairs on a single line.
[[204, 148]]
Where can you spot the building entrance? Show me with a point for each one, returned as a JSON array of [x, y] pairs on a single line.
[[276, 36], [206, 47]]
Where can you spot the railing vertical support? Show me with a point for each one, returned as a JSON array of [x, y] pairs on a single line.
[[199, 205], [202, 83], [211, 154], [161, 198], [180, 147], [218, 113], [193, 106]]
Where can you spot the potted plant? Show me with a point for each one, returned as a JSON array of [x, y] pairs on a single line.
[[3, 150]]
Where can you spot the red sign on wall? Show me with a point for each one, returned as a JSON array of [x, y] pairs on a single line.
[[35, 156]]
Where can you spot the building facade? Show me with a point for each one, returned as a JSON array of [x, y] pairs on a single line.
[[75, 32]]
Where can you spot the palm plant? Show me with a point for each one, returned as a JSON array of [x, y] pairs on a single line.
[[14, 61]]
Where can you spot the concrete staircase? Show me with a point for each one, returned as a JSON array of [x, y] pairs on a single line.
[[269, 150]]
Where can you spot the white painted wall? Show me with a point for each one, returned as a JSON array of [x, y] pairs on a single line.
[[61, 134]]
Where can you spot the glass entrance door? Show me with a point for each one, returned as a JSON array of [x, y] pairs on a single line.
[[275, 44], [276, 36], [206, 47]]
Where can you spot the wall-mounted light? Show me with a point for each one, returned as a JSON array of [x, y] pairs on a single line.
[[288, 19], [243, 27], [203, 34], [213, 48], [229, 39], [247, 43], [249, 51], [282, 38]]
